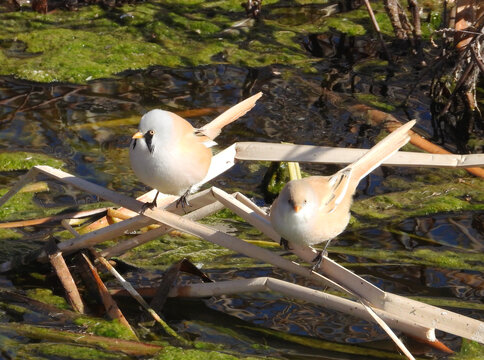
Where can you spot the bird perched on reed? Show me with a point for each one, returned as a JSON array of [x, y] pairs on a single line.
[[170, 155], [316, 209]]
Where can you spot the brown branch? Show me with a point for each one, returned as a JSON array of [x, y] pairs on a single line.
[[391, 6], [64, 275], [7, 100], [415, 10], [477, 59], [377, 29], [57, 98], [460, 82], [379, 117], [74, 215], [18, 109], [110, 305]]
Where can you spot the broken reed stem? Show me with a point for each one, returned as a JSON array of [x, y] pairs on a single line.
[[299, 292], [58, 263], [125, 284], [128, 288], [110, 305], [75, 215], [294, 170], [329, 155], [387, 329], [135, 241], [391, 123], [377, 29]]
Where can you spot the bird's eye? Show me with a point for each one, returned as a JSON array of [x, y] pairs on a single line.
[[151, 132], [305, 201]]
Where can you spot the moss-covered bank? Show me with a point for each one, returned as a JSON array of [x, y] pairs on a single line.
[[94, 42]]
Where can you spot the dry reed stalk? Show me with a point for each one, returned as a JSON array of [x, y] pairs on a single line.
[[110, 305], [58, 263], [257, 151], [377, 29], [379, 117], [132, 291], [74, 215], [299, 292], [135, 241]]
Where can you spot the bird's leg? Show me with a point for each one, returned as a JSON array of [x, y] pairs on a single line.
[[150, 204], [318, 260], [284, 243], [182, 200]]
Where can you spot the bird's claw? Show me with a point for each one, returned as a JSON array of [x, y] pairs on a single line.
[[318, 260], [285, 244], [182, 200], [148, 205]]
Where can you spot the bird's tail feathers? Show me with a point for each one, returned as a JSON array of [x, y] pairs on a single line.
[[213, 128], [380, 152]]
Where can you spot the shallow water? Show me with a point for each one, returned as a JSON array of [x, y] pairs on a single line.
[[72, 123]]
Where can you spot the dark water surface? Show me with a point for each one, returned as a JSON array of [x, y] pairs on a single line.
[[71, 123]]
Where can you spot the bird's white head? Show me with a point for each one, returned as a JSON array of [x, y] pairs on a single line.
[[155, 128], [298, 197]]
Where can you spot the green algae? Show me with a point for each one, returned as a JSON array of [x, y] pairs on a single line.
[[14, 161], [94, 42], [421, 199], [66, 351], [20, 206], [176, 353], [445, 302], [49, 334], [375, 101], [170, 249], [9, 234], [46, 296], [470, 350], [163, 252], [100, 327], [327, 345], [427, 257]]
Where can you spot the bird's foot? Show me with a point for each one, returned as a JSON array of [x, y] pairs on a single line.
[[285, 244], [182, 200], [148, 205], [318, 260]]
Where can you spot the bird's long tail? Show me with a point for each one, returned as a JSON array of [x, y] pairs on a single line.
[[380, 152], [213, 128]]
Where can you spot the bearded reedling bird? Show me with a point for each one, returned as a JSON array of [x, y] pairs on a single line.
[[316, 209], [170, 155]]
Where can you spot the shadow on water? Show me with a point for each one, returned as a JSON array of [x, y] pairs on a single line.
[[89, 127]]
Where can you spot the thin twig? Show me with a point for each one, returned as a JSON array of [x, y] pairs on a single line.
[[57, 98], [127, 285], [377, 29], [74, 215]]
